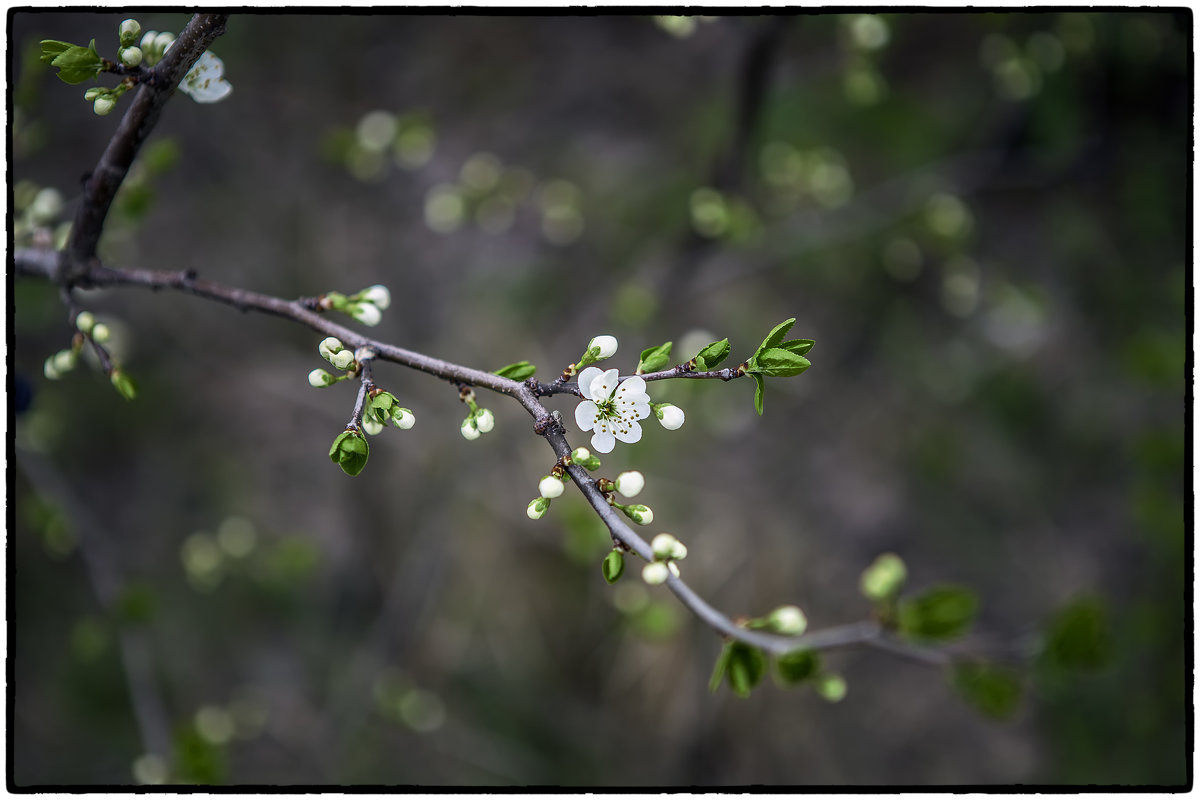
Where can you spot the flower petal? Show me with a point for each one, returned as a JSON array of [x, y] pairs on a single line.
[[602, 388], [638, 410], [585, 415], [631, 386], [629, 433], [603, 442], [585, 380]]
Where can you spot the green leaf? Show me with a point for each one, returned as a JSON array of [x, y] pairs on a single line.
[[992, 689], [712, 355], [778, 363], [746, 667], [798, 666], [350, 451], [797, 346], [720, 668], [944, 612], [776, 335], [759, 388], [51, 48], [517, 371], [613, 566], [1078, 636], [123, 384], [831, 687], [654, 358], [76, 64]]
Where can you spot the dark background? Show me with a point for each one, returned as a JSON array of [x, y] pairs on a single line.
[[980, 218]]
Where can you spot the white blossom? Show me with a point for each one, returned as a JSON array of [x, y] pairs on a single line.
[[606, 344], [378, 295], [550, 487], [655, 572], [205, 81], [670, 416], [630, 483], [611, 409]]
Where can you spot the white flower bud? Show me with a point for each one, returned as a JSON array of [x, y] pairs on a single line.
[[655, 572], [64, 360], [366, 313], [679, 552], [103, 105], [642, 515], [663, 546], [469, 430], [94, 92], [84, 321], [788, 620], [328, 346], [550, 487], [670, 416], [49, 370], [147, 42], [130, 56], [100, 333], [378, 295], [607, 345], [47, 203], [403, 419], [128, 31], [671, 565], [372, 425], [163, 41], [630, 483], [537, 507], [485, 420], [581, 454], [342, 360], [319, 379]]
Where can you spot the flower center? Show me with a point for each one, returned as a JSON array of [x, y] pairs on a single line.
[[607, 409]]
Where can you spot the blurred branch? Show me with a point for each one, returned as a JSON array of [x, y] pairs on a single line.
[[101, 185]]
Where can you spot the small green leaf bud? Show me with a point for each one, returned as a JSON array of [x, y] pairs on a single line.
[[607, 346], [537, 507], [670, 416], [371, 425], [403, 419], [130, 56], [100, 333], [94, 92], [378, 295], [469, 429], [485, 420], [342, 360], [788, 620], [49, 370], [84, 321], [122, 383], [550, 487], [655, 572], [103, 105], [613, 566], [630, 483], [640, 514], [328, 346], [319, 379], [365, 313], [665, 546], [831, 686], [884, 578], [128, 31], [64, 360]]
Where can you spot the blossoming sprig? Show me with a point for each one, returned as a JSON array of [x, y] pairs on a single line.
[[479, 421], [598, 349], [382, 409], [366, 306], [342, 359], [611, 407], [667, 550]]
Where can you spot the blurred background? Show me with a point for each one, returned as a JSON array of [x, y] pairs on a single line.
[[980, 218]]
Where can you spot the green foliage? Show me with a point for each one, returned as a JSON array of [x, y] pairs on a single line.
[[993, 689], [75, 64], [350, 451], [123, 384], [198, 760], [776, 358], [654, 358], [517, 371], [135, 604], [712, 355], [1078, 636], [741, 666], [884, 578], [798, 666], [944, 612], [613, 566]]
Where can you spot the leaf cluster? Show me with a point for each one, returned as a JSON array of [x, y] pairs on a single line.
[[75, 64]]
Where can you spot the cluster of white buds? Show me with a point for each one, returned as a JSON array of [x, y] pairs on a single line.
[[130, 54], [479, 421], [65, 360], [333, 351], [154, 44], [667, 550], [549, 487], [384, 408], [366, 306]]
